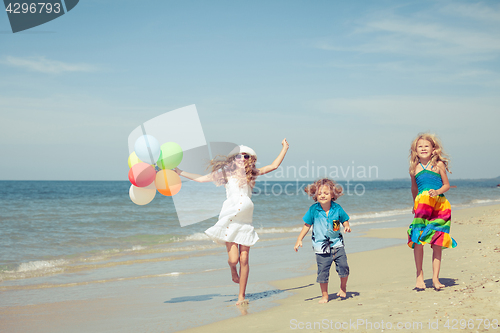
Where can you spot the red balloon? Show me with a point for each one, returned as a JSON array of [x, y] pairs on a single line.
[[141, 174]]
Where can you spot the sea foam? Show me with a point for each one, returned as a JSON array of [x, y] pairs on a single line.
[[37, 265]]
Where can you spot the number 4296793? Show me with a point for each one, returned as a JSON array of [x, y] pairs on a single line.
[[41, 7], [455, 324]]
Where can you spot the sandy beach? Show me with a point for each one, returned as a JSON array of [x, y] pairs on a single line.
[[381, 283], [380, 294]]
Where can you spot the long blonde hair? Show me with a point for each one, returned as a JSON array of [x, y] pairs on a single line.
[[438, 153], [335, 190], [221, 166]]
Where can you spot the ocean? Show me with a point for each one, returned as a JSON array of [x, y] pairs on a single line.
[[78, 240]]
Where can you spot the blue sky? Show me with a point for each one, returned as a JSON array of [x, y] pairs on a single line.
[[347, 83]]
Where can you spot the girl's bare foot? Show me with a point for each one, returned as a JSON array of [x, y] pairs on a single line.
[[420, 283], [437, 285], [342, 294], [323, 300], [234, 274], [242, 301]]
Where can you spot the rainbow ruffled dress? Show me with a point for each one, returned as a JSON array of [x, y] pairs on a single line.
[[432, 214]]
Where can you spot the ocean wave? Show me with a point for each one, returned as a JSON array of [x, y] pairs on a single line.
[[34, 269], [406, 211], [482, 201], [282, 230], [197, 237], [111, 251], [475, 202], [136, 248], [41, 265], [190, 248], [124, 258], [84, 283], [386, 213], [371, 222]]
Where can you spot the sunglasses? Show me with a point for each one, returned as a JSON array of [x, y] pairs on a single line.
[[239, 156]]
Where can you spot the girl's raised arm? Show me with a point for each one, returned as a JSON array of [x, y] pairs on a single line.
[[193, 176], [273, 166]]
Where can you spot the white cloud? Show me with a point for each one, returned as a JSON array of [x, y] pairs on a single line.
[[447, 111], [477, 11], [420, 40], [438, 32], [59, 119], [447, 43], [433, 39], [43, 65]]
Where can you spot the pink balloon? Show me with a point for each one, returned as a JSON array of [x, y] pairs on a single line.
[[141, 174]]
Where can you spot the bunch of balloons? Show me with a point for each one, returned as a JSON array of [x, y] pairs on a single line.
[[150, 166]]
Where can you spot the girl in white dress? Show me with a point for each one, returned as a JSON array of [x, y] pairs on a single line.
[[237, 172]]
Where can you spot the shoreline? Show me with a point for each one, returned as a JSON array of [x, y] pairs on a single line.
[[380, 288]]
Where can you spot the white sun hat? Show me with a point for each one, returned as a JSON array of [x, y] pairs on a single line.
[[242, 149]]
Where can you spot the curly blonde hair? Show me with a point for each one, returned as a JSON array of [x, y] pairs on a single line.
[[335, 189], [223, 166], [438, 153]]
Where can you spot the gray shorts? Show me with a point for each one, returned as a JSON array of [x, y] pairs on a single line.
[[325, 262]]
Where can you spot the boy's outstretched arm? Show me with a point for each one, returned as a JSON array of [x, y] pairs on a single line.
[[347, 227], [273, 166], [303, 233]]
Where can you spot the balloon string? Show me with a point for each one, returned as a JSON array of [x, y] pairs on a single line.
[[147, 144]]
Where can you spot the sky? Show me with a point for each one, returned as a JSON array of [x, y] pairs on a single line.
[[349, 84]]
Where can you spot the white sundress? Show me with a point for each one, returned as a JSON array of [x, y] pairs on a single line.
[[235, 218]]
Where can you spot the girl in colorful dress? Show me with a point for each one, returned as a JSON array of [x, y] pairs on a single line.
[[237, 172], [429, 182]]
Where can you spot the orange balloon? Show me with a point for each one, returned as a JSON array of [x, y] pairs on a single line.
[[168, 182]]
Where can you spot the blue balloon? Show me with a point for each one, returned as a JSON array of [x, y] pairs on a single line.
[[147, 148]]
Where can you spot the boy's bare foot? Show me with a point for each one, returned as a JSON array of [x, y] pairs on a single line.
[[242, 302], [234, 274], [323, 300], [342, 294]]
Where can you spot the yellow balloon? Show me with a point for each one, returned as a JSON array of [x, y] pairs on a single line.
[[133, 160]]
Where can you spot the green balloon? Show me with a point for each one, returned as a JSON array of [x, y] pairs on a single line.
[[170, 155]]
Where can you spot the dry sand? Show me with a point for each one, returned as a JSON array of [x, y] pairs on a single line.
[[380, 289]]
